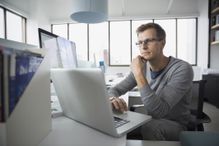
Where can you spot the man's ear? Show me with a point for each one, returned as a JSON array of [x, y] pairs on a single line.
[[163, 42]]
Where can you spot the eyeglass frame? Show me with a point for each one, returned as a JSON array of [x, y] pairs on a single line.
[[146, 41]]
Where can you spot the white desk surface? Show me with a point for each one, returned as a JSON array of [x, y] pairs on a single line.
[[67, 132]]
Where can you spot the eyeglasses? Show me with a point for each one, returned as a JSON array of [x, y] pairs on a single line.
[[147, 41]]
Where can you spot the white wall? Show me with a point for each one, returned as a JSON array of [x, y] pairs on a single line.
[[203, 34], [37, 19]]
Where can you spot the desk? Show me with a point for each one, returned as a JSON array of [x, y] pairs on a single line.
[[67, 132]]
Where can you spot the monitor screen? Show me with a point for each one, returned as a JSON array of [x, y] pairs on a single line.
[[62, 52]]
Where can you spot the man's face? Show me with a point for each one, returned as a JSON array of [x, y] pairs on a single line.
[[149, 45]]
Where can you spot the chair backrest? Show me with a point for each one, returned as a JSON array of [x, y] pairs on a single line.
[[198, 97]]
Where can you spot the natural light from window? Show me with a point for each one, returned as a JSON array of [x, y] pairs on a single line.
[[2, 35], [60, 30], [78, 34], [120, 44], [169, 25], [98, 42], [186, 40], [114, 41], [14, 33]]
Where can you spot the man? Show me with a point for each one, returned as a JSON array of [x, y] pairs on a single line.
[[165, 85]]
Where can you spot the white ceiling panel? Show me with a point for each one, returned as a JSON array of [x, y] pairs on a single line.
[[62, 9]]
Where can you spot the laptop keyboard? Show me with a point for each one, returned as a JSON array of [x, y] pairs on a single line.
[[119, 122]]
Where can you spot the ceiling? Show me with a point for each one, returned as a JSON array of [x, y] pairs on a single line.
[[58, 10]]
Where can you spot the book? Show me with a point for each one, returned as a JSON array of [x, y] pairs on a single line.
[[214, 4], [34, 63], [12, 82], [217, 35], [22, 64], [213, 21], [26, 65], [19, 68], [217, 19]]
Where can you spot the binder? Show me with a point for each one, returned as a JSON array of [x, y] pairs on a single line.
[[30, 120]]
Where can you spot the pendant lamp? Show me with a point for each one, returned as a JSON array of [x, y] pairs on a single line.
[[90, 11]]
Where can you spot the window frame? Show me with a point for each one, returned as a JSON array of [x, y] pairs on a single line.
[[23, 21], [131, 43]]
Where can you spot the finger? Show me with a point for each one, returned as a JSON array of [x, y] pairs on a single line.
[[143, 60], [120, 103], [124, 104], [115, 104], [112, 100]]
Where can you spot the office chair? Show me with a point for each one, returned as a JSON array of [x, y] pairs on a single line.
[[196, 108]]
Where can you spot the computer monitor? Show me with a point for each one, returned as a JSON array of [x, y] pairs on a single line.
[[45, 35], [61, 51]]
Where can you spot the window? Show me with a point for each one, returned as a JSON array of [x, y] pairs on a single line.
[[98, 42], [78, 34], [60, 30], [117, 39], [120, 44], [2, 33], [186, 40], [135, 25], [14, 33], [169, 25], [8, 21]]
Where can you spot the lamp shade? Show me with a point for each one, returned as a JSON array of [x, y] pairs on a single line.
[[90, 11]]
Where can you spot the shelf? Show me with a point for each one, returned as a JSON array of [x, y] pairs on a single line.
[[215, 43], [216, 10], [215, 27], [30, 121]]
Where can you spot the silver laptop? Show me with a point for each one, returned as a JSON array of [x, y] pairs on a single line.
[[83, 97]]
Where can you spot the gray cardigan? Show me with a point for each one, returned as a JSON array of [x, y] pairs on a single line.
[[168, 95]]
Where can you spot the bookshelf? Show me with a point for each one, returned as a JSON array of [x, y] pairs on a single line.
[[214, 21], [215, 27], [30, 120], [213, 31], [214, 43]]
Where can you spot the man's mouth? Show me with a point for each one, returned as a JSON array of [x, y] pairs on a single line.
[[146, 53]]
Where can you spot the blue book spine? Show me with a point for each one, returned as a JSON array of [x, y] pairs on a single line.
[[17, 67], [26, 64], [22, 66], [12, 82]]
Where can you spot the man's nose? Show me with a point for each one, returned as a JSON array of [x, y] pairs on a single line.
[[144, 47]]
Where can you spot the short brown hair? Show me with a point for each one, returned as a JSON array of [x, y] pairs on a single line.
[[159, 30]]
